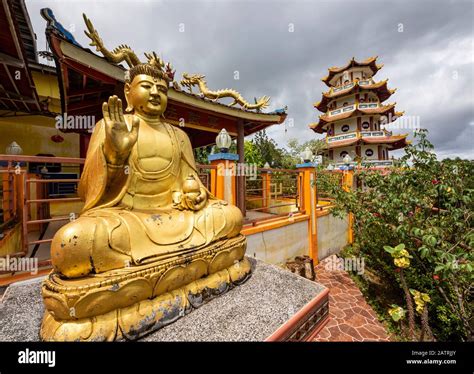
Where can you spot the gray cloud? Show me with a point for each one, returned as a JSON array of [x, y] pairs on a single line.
[[431, 62]]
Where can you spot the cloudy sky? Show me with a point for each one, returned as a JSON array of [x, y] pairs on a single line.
[[283, 49]]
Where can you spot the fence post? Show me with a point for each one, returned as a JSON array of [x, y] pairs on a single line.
[[266, 189], [225, 181], [347, 185], [308, 189]]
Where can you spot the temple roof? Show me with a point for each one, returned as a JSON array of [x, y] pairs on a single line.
[[17, 51], [394, 141], [379, 88], [86, 80], [370, 62], [325, 119]]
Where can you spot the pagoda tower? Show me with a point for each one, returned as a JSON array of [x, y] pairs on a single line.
[[354, 116]]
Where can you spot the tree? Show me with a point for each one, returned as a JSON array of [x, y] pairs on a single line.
[[268, 150], [315, 145]]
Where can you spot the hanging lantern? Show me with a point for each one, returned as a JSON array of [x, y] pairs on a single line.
[[223, 141], [57, 138]]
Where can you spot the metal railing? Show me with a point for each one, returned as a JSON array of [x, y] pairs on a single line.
[[272, 193], [34, 203], [359, 134]]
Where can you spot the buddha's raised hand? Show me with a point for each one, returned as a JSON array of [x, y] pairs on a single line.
[[118, 139]]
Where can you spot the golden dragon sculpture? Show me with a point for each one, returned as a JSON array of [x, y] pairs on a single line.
[[190, 80], [124, 53]]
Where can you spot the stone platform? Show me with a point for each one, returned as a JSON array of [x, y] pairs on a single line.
[[274, 304]]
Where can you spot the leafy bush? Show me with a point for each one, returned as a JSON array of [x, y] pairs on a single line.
[[426, 205]]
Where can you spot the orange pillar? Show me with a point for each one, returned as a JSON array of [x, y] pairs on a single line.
[[308, 191], [217, 183], [347, 185], [266, 190], [225, 176]]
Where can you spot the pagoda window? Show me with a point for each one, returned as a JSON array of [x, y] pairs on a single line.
[[343, 154], [365, 125], [369, 152], [345, 128]]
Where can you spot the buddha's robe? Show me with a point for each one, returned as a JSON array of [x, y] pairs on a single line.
[[128, 216]]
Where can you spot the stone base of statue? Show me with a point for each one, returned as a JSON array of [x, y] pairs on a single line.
[[273, 304], [128, 303]]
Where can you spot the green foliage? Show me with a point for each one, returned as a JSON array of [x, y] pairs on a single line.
[[268, 151], [397, 312], [427, 205], [200, 154]]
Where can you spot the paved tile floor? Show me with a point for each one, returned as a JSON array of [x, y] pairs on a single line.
[[351, 319]]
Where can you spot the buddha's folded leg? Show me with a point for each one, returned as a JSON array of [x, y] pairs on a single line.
[[82, 247], [227, 219], [102, 241]]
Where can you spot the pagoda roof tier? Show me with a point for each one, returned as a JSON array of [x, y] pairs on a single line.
[[370, 62], [367, 137], [354, 110], [380, 89]]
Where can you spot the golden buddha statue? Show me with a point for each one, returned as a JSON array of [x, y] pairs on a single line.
[[152, 242]]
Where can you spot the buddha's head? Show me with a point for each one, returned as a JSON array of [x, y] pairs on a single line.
[[146, 90]]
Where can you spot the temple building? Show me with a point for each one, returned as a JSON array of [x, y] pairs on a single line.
[[354, 116]]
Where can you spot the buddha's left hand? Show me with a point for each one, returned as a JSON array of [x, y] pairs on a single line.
[[191, 201]]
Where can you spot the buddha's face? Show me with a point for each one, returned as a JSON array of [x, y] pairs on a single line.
[[147, 95]]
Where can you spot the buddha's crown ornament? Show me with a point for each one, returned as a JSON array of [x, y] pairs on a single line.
[[154, 65]]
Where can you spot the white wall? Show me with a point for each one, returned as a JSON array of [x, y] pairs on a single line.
[[333, 235], [337, 152], [343, 99], [357, 73], [278, 245], [352, 122], [373, 147]]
